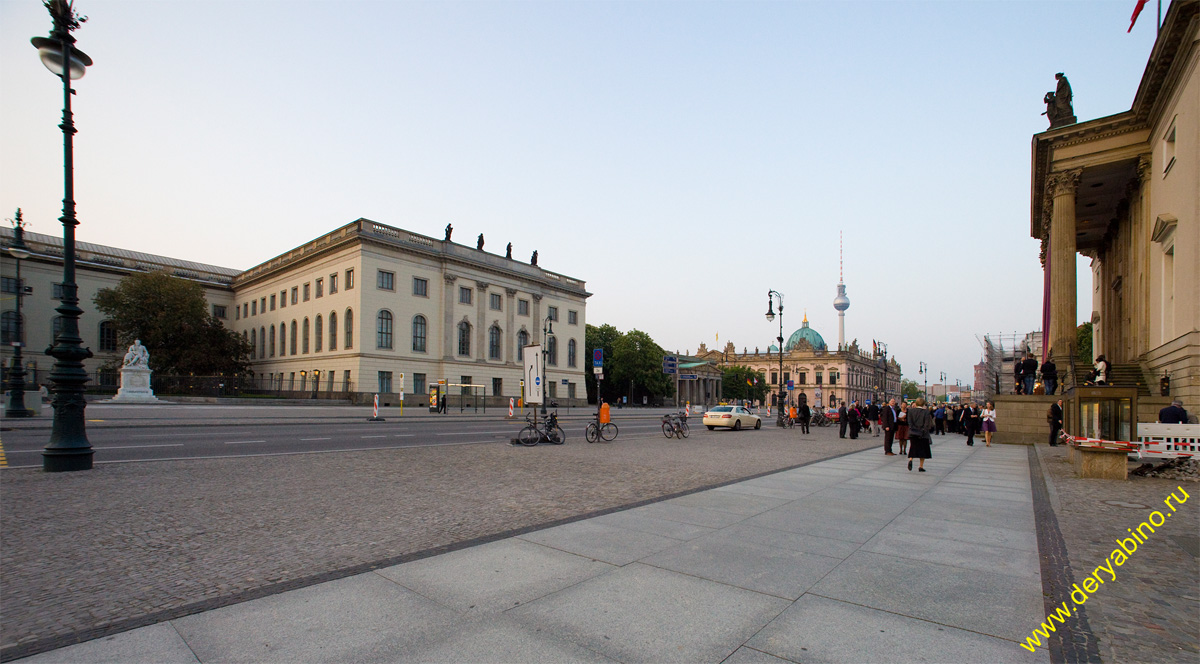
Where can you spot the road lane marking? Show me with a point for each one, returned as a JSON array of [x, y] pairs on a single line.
[[304, 439], [173, 435], [244, 442], [135, 447], [372, 436]]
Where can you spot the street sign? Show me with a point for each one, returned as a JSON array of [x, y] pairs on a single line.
[[669, 370], [533, 374], [598, 370], [599, 376], [670, 364], [688, 377], [566, 381], [598, 357], [791, 385]]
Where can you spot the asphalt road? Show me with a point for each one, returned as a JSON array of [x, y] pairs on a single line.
[[155, 442]]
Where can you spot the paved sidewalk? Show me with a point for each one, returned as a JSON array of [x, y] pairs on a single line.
[[854, 559]]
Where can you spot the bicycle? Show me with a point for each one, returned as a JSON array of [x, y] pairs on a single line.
[[596, 431], [820, 419], [675, 425], [535, 433]]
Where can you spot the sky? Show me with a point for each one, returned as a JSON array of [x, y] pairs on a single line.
[[683, 158]]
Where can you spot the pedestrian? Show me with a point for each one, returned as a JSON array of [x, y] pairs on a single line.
[[902, 427], [805, 416], [855, 420], [920, 424], [969, 418], [873, 418], [1055, 417], [890, 415], [988, 420], [1029, 372], [842, 423], [1101, 370], [1173, 414], [1018, 377], [1050, 375], [939, 419]]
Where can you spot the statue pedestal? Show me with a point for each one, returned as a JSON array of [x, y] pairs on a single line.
[[135, 387]]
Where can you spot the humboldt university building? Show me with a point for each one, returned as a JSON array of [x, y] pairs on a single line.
[[366, 309]]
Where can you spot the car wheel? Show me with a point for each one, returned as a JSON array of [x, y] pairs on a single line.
[[758, 424], [711, 427], [737, 425]]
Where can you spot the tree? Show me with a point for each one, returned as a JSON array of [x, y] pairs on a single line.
[[604, 338], [1083, 343], [734, 384], [910, 389], [170, 316], [637, 368]]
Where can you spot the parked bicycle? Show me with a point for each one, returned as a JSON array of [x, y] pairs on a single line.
[[596, 431], [819, 418], [675, 425], [545, 431]]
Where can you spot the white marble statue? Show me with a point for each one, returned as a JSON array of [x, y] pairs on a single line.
[[135, 376], [137, 357]]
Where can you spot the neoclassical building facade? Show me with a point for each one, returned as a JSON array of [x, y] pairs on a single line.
[[365, 309], [825, 377]]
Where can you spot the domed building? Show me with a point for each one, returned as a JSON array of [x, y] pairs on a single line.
[[825, 377]]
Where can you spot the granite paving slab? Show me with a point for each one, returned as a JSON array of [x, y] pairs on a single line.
[[155, 644], [615, 546], [896, 541]]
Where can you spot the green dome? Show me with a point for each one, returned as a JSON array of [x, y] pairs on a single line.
[[807, 334]]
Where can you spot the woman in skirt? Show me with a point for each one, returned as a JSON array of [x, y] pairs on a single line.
[[989, 422], [920, 424], [902, 426]]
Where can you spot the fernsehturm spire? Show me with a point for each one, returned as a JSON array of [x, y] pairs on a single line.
[[841, 302]]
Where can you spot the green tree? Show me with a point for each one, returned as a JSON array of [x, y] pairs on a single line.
[[170, 316], [637, 368], [910, 389], [603, 337], [734, 384], [1083, 343]]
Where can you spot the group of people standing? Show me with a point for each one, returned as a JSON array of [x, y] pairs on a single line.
[[912, 426], [1025, 375]]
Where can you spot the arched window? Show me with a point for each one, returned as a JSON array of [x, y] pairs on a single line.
[[333, 330], [383, 329], [464, 339], [253, 343], [552, 351], [318, 334], [494, 343], [304, 337], [108, 336], [418, 334], [11, 327], [522, 342], [272, 341], [349, 335], [294, 346], [571, 353]]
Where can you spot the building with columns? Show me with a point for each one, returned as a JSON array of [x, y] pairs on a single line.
[[1123, 190]]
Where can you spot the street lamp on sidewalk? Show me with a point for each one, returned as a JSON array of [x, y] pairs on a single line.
[[69, 448], [316, 382], [770, 317], [942, 377], [924, 371], [547, 332], [15, 407]]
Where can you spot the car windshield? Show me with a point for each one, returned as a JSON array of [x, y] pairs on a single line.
[[721, 409]]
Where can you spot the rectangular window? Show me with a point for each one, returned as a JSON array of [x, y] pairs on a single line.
[[495, 301], [802, 378], [307, 292], [57, 292], [292, 380], [218, 311], [572, 317], [552, 391], [464, 295], [787, 375], [833, 377], [419, 383], [774, 378], [819, 382], [333, 283], [570, 390], [346, 380], [385, 280], [254, 308], [465, 380], [522, 307], [237, 313], [552, 313], [263, 305], [420, 287], [349, 279], [498, 387], [108, 337], [282, 299], [385, 382], [295, 295], [320, 288], [245, 310], [10, 285], [272, 302]]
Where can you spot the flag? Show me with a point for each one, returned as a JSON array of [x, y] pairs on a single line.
[[749, 383], [756, 380], [1136, 10], [718, 337]]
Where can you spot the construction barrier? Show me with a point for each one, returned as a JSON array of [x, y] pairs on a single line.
[[375, 412], [1149, 445], [511, 402]]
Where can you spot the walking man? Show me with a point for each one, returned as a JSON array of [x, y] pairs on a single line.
[[842, 423], [873, 418], [1055, 416], [1029, 372], [889, 427], [1050, 375]]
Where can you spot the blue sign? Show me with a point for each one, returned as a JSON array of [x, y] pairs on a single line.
[[598, 357], [537, 380], [791, 385], [688, 377]]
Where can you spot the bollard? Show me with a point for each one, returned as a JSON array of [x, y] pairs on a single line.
[[510, 407], [375, 417]]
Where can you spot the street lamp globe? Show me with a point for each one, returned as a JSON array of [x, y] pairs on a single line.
[[50, 50]]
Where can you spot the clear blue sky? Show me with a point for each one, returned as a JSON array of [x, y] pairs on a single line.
[[682, 157]]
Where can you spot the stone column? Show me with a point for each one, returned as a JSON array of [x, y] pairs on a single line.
[[510, 329], [1061, 263], [449, 326]]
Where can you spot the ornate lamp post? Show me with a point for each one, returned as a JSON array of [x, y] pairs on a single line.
[[16, 375], [924, 371], [316, 382], [303, 380], [547, 332], [942, 377], [69, 448], [770, 317]]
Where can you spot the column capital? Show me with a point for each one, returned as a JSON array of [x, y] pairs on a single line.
[[450, 278], [482, 285], [511, 292], [1143, 168], [1063, 183], [537, 297]]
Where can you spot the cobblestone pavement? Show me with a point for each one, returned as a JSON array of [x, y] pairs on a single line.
[[1151, 612], [125, 545]]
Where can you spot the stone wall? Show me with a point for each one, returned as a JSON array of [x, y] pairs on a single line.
[[1021, 420]]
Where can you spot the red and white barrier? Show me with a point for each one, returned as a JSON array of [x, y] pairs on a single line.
[[511, 403], [687, 408], [375, 412]]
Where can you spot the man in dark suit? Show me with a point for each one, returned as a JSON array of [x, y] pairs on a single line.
[[873, 418], [970, 417], [1029, 369], [842, 423], [889, 427], [1173, 414], [1056, 421]]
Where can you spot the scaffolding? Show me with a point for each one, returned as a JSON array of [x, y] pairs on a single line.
[[1000, 351]]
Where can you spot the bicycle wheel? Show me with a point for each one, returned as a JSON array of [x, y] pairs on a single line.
[[591, 433], [683, 429], [668, 430], [557, 435], [529, 436], [608, 431]]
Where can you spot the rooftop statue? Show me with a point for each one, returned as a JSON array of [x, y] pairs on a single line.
[[1059, 109]]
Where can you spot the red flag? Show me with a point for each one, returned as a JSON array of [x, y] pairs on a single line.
[[1136, 10]]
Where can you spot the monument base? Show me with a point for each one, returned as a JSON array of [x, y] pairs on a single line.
[[135, 387]]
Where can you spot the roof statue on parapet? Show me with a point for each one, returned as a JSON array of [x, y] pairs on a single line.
[[449, 231], [508, 251], [533, 258], [479, 242], [1059, 109]]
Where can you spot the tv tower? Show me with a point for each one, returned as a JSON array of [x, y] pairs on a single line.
[[841, 302]]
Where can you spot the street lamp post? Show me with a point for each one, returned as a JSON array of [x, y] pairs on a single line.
[[316, 382], [924, 371], [15, 407], [770, 317], [69, 448], [547, 332], [942, 377], [303, 380]]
